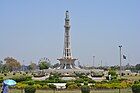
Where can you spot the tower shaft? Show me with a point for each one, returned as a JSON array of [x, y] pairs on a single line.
[[67, 48]]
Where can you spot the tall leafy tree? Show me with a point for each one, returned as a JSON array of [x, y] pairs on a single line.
[[32, 66], [44, 63], [137, 66], [12, 63]]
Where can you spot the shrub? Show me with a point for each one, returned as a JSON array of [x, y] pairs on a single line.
[[85, 83], [78, 84], [40, 82], [136, 82], [37, 86], [124, 85], [52, 86], [83, 78], [113, 77], [21, 85], [92, 86], [102, 86], [1, 79], [112, 73], [55, 78], [30, 82], [73, 86], [21, 78], [69, 83], [85, 89], [45, 86], [79, 80], [0, 84], [104, 81], [115, 81], [30, 89], [136, 88], [112, 85]]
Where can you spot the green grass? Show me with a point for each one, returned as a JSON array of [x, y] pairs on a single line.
[[76, 91]]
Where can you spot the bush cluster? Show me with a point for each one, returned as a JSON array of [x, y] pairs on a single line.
[[85, 88], [55, 78], [30, 89], [1, 79], [52, 86], [21, 78], [21, 85], [73, 85], [136, 88], [36, 84], [82, 77], [111, 85]]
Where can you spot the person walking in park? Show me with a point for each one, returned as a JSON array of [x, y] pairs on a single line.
[[5, 88]]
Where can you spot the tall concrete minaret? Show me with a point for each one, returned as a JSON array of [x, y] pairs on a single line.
[[67, 61], [67, 48]]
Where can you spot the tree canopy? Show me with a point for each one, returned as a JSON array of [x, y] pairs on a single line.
[[44, 64], [12, 63], [137, 67], [32, 66]]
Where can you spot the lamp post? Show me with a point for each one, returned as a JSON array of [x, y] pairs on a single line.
[[93, 61], [120, 64], [120, 60]]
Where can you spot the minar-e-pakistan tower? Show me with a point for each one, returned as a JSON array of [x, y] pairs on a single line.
[[67, 61]]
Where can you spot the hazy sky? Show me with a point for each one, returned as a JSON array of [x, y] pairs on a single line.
[[31, 29]]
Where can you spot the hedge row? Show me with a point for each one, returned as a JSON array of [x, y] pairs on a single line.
[[21, 78]]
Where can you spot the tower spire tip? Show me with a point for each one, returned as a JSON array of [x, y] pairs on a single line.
[[67, 14]]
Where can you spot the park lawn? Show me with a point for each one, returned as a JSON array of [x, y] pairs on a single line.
[[75, 91]]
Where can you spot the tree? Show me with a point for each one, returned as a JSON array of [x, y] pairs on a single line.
[[137, 67], [56, 65], [44, 63], [4, 68], [32, 66], [112, 73], [12, 63], [1, 65]]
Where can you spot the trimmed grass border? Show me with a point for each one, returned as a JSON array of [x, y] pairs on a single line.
[[75, 91]]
